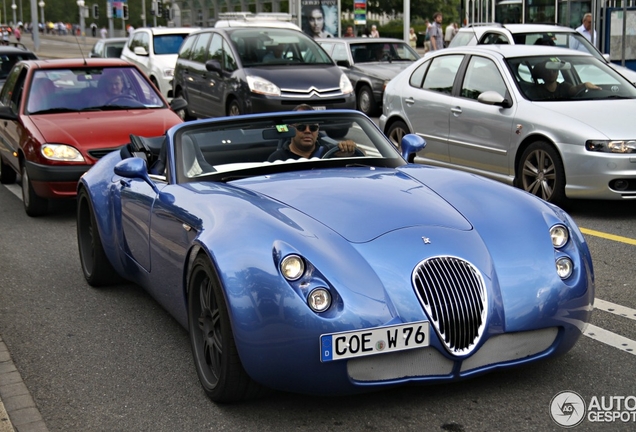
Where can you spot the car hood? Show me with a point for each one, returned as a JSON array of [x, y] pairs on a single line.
[[304, 77], [340, 199], [382, 70], [626, 72], [103, 129], [609, 117]]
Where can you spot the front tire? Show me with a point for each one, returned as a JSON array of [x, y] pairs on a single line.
[[213, 347], [95, 265], [34, 205], [396, 132], [540, 172], [234, 108], [366, 101]]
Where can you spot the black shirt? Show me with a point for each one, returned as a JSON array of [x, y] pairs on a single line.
[[284, 153]]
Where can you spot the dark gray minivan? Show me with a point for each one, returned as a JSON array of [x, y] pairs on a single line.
[[251, 69]]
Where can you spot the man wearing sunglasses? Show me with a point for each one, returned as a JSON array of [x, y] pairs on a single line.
[[307, 144]]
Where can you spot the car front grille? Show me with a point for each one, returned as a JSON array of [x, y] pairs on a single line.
[[311, 93], [453, 294]]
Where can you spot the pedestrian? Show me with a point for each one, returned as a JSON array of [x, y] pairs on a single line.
[[374, 32], [348, 32], [427, 36], [586, 28], [5, 36], [412, 38], [435, 32], [17, 34], [104, 33], [449, 34], [94, 29]]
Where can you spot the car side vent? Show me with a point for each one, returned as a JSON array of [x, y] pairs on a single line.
[[100, 153], [453, 294]]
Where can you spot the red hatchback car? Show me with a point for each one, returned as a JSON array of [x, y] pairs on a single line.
[[61, 116]]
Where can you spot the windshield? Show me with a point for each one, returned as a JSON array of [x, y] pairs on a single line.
[[542, 78], [280, 47], [382, 51], [572, 40], [90, 89], [280, 142], [168, 43]]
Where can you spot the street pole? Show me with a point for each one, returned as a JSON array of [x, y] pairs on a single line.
[[143, 12], [14, 7], [80, 5], [34, 24]]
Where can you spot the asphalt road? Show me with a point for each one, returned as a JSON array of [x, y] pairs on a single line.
[[113, 360]]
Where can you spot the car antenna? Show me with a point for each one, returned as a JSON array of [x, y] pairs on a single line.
[[80, 48]]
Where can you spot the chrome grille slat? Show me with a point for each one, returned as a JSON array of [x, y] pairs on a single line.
[[453, 294]]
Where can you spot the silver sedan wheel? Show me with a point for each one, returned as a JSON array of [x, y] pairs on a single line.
[[542, 174]]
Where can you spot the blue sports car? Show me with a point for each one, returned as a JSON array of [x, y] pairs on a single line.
[[304, 253]]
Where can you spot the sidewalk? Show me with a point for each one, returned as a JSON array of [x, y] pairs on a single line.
[[18, 411]]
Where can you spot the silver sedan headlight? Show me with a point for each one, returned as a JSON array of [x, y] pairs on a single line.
[[613, 146], [61, 152]]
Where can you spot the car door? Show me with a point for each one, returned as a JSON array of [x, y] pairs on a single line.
[[428, 100], [195, 75], [480, 134], [216, 82], [11, 131]]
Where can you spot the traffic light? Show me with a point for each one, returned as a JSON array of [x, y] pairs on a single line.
[[95, 11], [125, 11], [159, 11]]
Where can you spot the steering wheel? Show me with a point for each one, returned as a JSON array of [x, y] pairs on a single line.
[[331, 152], [580, 92], [122, 98]]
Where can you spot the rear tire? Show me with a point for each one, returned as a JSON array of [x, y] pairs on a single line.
[[95, 265], [213, 347], [34, 205]]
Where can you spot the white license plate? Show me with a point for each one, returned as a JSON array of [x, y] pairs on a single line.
[[358, 343], [320, 108]]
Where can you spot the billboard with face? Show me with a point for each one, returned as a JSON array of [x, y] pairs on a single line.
[[320, 18]]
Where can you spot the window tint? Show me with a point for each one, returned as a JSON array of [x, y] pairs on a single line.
[[216, 49], [339, 52], [168, 44], [185, 51], [418, 75], [230, 62], [441, 74], [482, 75], [495, 38], [200, 48]]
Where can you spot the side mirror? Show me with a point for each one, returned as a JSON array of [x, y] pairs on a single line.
[[6, 113], [140, 51], [411, 144], [343, 63], [178, 104], [213, 66], [135, 168], [493, 98]]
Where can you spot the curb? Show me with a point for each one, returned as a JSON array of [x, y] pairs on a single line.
[[18, 411]]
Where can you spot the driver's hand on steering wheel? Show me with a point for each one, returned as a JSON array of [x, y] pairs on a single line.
[[347, 148]]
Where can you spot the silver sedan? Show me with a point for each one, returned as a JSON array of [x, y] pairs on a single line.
[[555, 122]]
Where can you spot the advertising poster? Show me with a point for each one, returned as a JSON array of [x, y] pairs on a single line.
[[320, 18]]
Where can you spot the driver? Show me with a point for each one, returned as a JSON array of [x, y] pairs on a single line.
[[110, 87], [306, 144], [551, 89]]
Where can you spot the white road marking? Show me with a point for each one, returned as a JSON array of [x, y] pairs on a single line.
[[611, 339], [615, 309]]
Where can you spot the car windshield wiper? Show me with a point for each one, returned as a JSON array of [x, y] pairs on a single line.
[[120, 107], [55, 111]]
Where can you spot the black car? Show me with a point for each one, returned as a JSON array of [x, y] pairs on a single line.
[[10, 55], [370, 63], [251, 69]]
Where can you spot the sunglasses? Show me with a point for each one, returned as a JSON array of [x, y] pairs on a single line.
[[303, 127]]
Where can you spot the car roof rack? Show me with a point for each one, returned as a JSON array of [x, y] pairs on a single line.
[[481, 24], [250, 16]]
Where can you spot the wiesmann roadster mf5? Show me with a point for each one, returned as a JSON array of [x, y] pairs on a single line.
[[340, 272]]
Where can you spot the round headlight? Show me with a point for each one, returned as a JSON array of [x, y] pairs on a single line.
[[292, 267], [319, 300], [559, 235], [564, 267]]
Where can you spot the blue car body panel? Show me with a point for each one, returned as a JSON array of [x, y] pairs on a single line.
[[362, 230]]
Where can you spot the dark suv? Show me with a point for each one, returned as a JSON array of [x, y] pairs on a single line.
[[251, 69]]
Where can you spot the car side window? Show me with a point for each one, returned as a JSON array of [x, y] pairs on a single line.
[[339, 52], [12, 89], [418, 75], [482, 75], [185, 52], [200, 48], [441, 74], [215, 51], [230, 62], [494, 38]]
